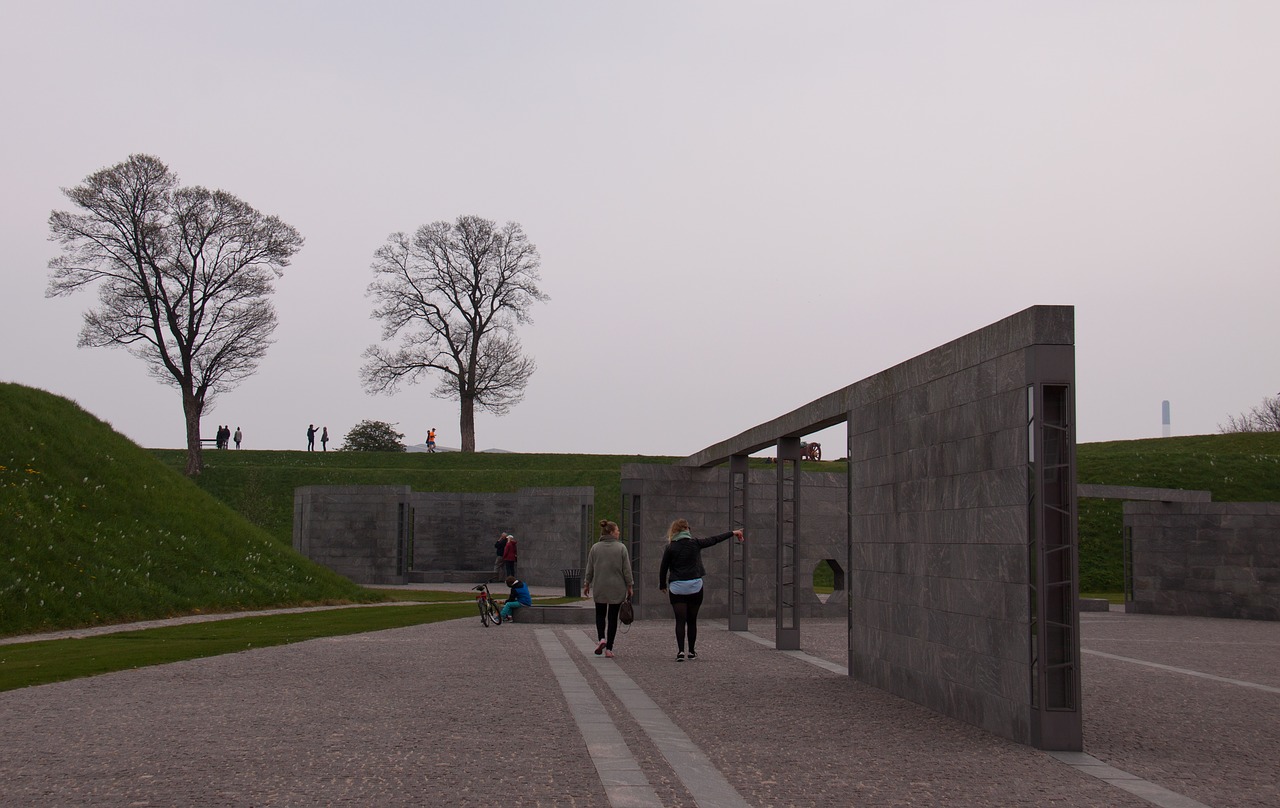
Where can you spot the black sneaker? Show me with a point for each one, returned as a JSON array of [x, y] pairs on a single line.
[[680, 656], [693, 655]]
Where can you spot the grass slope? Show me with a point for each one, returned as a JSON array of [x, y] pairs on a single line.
[[260, 484], [93, 529], [36, 663], [1235, 468]]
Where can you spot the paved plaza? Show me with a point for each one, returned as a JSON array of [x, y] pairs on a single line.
[[1178, 712]]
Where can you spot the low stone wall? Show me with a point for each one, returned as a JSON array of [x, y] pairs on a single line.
[[1204, 559], [655, 495], [384, 534], [359, 531], [555, 615]]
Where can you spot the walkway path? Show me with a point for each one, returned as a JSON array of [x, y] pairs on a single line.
[[455, 714]]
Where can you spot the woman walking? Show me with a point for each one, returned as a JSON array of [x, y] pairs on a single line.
[[609, 570], [682, 560]]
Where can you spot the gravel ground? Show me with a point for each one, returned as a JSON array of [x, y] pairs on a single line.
[[455, 714]]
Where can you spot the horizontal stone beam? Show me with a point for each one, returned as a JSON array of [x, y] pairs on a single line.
[[1139, 494], [1037, 325]]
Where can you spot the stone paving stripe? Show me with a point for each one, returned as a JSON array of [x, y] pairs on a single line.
[[1081, 762], [624, 783], [700, 776], [1152, 793], [825, 664], [1185, 671]]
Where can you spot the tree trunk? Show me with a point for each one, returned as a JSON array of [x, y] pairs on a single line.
[[467, 423], [195, 450]]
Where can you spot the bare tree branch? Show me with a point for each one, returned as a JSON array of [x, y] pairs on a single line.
[[451, 296], [1265, 417], [184, 278]]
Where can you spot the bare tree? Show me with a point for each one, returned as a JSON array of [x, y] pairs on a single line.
[[1265, 417], [453, 295], [184, 273]]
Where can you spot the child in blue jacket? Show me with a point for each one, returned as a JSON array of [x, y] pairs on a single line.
[[519, 597]]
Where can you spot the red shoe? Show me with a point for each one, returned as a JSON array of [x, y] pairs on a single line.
[[608, 654], [600, 648]]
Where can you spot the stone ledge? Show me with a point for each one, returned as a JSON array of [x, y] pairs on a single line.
[[1094, 605], [558, 615]]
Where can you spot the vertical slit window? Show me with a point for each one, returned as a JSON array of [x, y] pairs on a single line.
[[400, 537], [1056, 573]]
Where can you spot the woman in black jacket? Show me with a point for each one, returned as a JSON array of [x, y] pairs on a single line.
[[682, 560]]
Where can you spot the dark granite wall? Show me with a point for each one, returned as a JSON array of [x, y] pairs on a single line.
[[702, 496], [354, 530], [1209, 559]]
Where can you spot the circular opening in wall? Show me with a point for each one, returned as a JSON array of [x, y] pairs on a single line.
[[828, 577]]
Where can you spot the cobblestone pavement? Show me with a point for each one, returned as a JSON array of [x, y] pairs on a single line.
[[456, 714]]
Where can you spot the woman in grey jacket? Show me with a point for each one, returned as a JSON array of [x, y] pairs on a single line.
[[609, 570]]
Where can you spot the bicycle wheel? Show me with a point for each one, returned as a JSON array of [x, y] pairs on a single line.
[[495, 613], [484, 612]]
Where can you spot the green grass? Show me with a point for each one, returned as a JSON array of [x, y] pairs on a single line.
[[433, 596], [824, 578], [25, 664], [93, 530], [1234, 468], [260, 484], [1113, 597]]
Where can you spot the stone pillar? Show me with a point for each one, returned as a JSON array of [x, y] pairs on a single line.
[[786, 615], [738, 569]]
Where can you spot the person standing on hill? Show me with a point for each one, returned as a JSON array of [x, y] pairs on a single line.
[[682, 560], [239, 436], [311, 438], [609, 570], [431, 439], [509, 555], [324, 439]]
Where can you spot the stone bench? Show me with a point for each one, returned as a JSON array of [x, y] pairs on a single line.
[[568, 613], [1095, 605]]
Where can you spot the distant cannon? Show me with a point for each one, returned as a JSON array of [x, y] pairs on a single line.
[[808, 451]]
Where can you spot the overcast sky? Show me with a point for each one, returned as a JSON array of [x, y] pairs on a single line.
[[740, 206]]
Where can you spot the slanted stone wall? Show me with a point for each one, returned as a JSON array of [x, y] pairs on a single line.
[[1208, 559], [654, 496], [942, 531]]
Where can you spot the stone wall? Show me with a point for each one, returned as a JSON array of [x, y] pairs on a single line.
[[359, 531], [654, 496], [1204, 559], [940, 583], [354, 531]]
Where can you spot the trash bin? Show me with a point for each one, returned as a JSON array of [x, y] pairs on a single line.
[[572, 583]]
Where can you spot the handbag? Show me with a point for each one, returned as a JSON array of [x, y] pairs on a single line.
[[626, 614]]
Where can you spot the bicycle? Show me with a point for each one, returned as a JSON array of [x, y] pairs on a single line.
[[490, 611]]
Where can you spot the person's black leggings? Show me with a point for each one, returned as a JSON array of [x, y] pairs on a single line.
[[607, 622], [686, 608]]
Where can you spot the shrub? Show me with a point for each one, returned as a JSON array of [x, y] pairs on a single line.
[[373, 436]]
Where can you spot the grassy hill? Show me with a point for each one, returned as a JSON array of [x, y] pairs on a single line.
[[1235, 468], [94, 529], [260, 485]]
